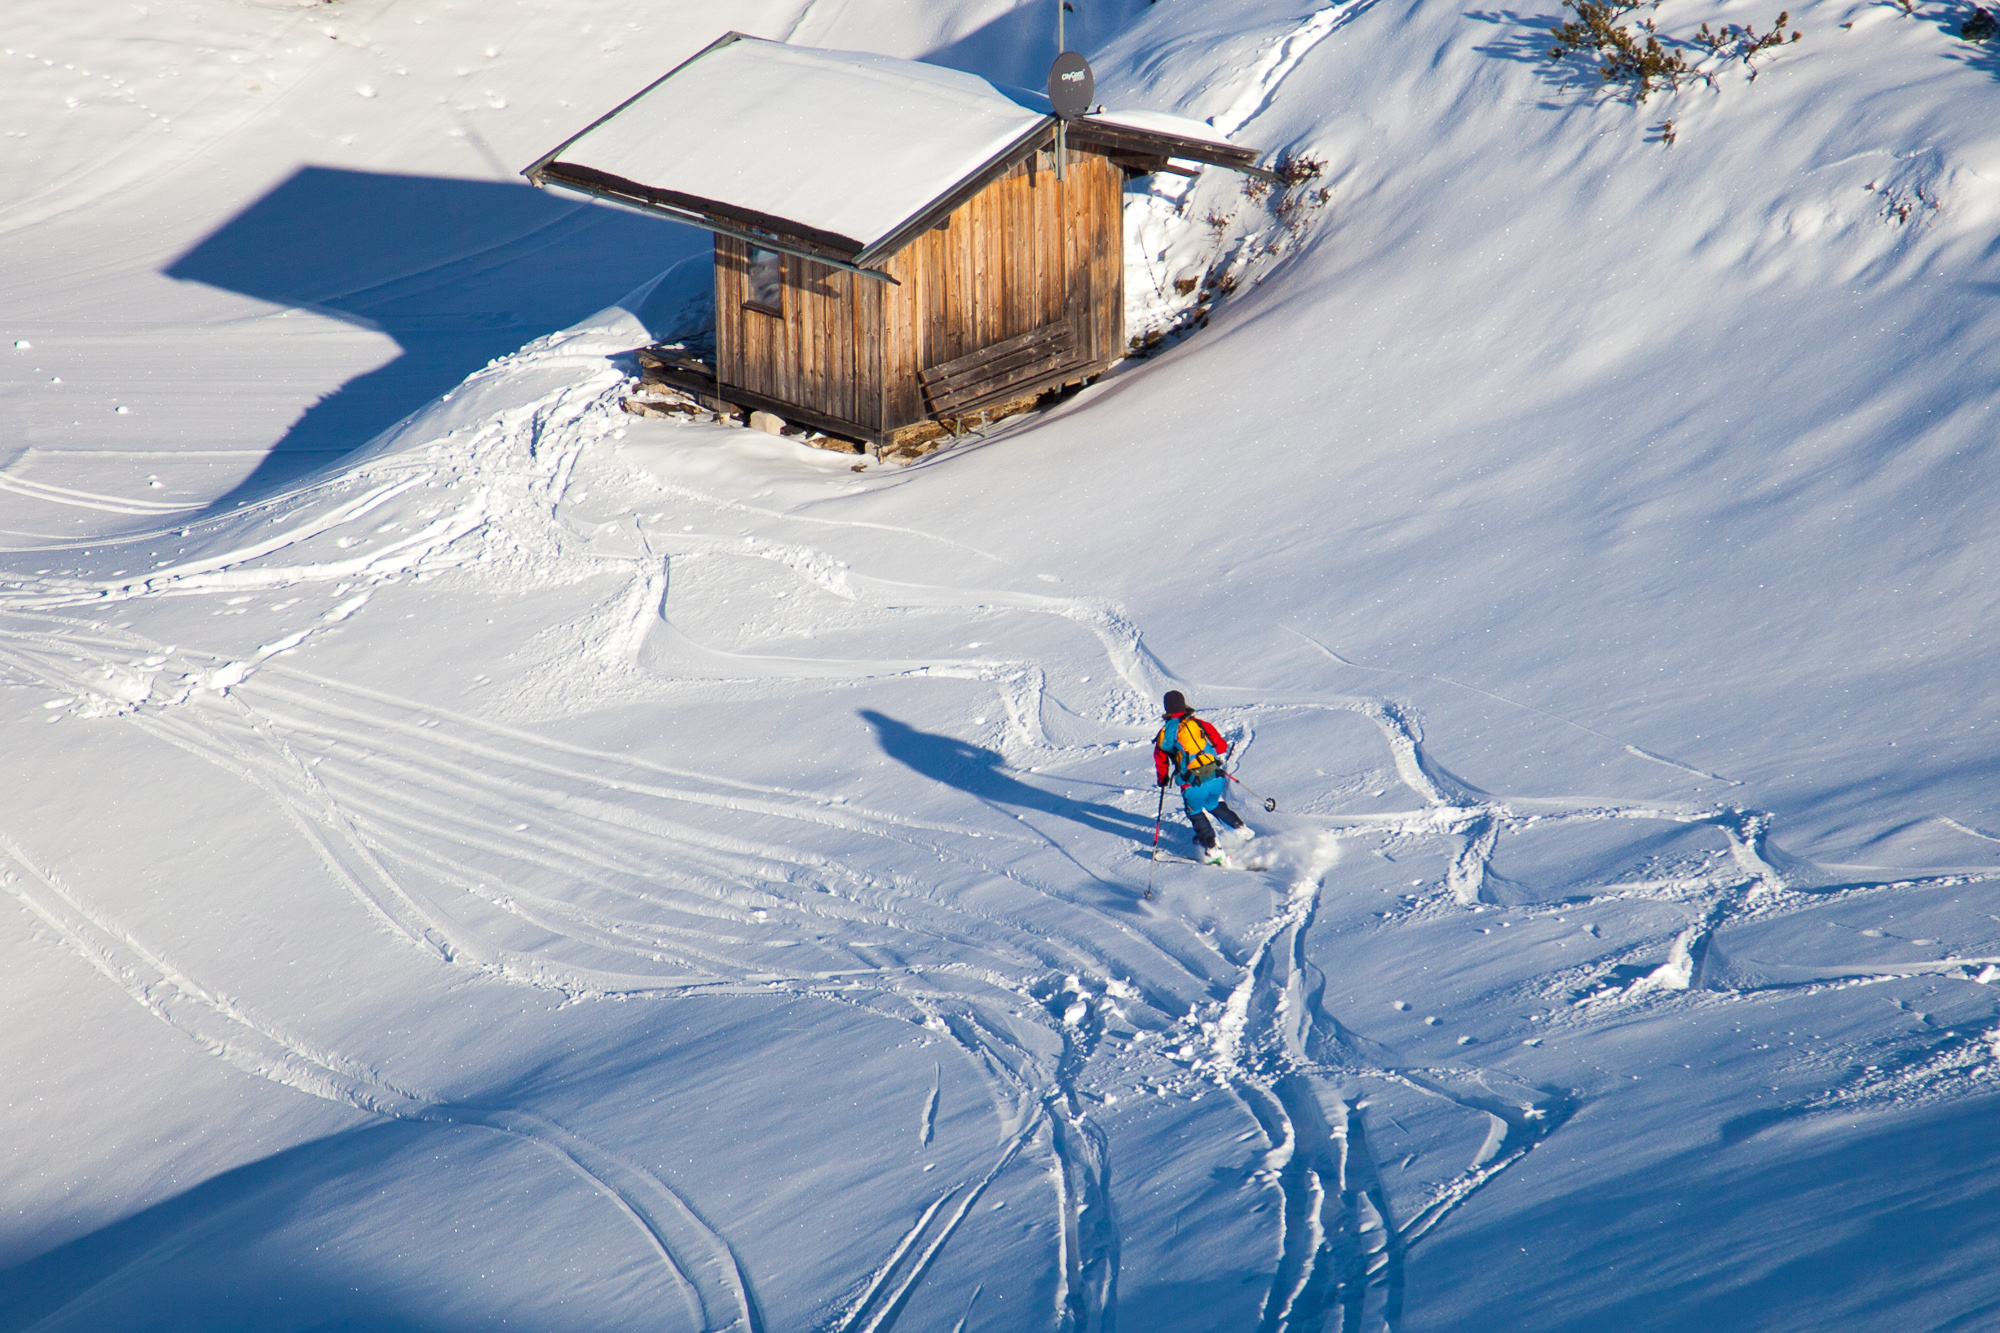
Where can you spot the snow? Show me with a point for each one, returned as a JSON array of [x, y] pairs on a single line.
[[1160, 122], [790, 131], [467, 853], [794, 132]]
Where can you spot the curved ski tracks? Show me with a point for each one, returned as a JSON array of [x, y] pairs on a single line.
[[711, 1280], [322, 752]]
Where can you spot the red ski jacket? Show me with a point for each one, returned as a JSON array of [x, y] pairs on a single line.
[[1163, 763]]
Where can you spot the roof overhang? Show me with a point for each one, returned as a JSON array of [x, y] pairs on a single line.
[[1006, 122]]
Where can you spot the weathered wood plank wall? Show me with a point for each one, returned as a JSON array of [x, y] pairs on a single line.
[[1024, 253], [818, 354]]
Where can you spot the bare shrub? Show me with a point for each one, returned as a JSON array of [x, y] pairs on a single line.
[[1645, 66], [1744, 43], [1295, 169], [1640, 67]]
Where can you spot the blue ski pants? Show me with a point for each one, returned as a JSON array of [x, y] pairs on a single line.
[[1199, 799]]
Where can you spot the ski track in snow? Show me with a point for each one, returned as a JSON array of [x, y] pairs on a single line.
[[663, 882], [1280, 58], [709, 1276], [653, 881]]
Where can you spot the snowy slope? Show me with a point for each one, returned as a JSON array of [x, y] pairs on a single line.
[[471, 854]]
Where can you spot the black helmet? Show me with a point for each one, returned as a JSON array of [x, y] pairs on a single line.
[[1175, 702]]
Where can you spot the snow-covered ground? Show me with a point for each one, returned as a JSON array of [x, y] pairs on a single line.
[[474, 856]]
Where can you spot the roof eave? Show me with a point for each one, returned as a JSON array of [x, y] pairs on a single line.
[[770, 233], [1160, 144]]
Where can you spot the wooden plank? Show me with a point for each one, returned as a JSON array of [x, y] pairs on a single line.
[[1076, 233], [1006, 234], [989, 391], [1019, 276], [1018, 342], [901, 334], [994, 240], [863, 399], [813, 351], [1073, 373], [976, 370], [1095, 134], [963, 314], [728, 341], [795, 414], [977, 307], [1047, 244], [791, 332], [1011, 385], [797, 309], [912, 333], [869, 308], [978, 377], [992, 243], [973, 376], [1109, 334], [892, 328], [978, 386], [837, 336], [943, 260], [1111, 261], [665, 357], [840, 343], [761, 343], [832, 383]]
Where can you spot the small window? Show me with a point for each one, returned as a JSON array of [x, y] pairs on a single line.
[[767, 281]]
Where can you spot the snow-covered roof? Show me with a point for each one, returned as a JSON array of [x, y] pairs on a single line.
[[1162, 123], [840, 152]]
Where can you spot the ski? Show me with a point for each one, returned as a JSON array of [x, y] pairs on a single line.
[[1226, 863]]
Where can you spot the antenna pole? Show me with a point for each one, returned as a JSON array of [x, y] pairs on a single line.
[[1062, 139]]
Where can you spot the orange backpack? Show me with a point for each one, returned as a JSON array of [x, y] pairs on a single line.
[[1195, 760]]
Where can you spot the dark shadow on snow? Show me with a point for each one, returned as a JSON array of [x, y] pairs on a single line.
[[1949, 19], [458, 272], [982, 773], [1876, 1221], [215, 1257], [1017, 45]]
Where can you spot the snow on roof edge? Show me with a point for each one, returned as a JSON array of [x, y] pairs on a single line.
[[1164, 122], [997, 120]]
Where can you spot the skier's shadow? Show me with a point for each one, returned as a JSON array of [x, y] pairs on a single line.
[[982, 773]]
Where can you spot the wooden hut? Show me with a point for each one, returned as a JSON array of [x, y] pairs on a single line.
[[896, 244]]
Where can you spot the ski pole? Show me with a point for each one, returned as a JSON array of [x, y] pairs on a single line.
[[1158, 815], [1270, 803]]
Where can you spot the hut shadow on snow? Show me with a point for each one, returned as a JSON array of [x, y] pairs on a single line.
[[982, 773], [456, 271]]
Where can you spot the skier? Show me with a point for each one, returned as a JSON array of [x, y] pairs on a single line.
[[1190, 750]]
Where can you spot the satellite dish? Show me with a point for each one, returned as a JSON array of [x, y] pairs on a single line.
[[1071, 85]]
